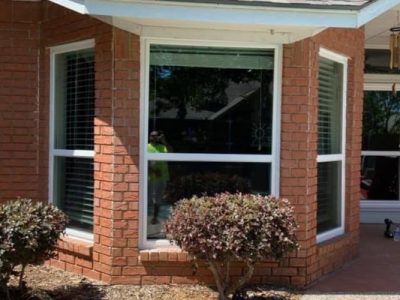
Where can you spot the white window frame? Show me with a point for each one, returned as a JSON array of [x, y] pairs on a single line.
[[323, 158], [380, 82], [273, 158], [53, 151]]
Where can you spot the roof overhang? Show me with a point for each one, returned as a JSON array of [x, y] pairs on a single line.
[[277, 24]]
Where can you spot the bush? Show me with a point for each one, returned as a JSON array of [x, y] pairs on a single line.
[[28, 235], [229, 227], [205, 184]]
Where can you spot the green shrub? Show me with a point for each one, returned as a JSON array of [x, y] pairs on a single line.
[[28, 235], [229, 227], [205, 184]]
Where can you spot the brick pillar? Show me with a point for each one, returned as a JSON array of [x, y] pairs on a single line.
[[117, 159], [299, 147]]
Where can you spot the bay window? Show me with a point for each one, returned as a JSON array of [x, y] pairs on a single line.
[[209, 118]]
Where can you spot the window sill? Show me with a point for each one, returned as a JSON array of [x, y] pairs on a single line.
[[75, 246], [164, 255]]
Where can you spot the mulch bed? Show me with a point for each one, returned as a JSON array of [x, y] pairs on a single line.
[[46, 283]]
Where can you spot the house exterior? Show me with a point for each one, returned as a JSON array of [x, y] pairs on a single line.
[[268, 91]]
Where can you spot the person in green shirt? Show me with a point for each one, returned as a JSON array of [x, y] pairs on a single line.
[[158, 172]]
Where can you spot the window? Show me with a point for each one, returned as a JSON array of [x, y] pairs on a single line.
[[71, 182], [331, 144], [381, 136], [209, 116]]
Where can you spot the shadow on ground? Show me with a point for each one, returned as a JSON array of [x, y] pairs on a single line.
[[83, 291]]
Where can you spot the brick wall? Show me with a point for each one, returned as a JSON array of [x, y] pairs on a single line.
[[299, 146], [114, 255], [19, 105], [61, 26]]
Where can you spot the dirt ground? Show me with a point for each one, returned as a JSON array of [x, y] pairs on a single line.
[[46, 283]]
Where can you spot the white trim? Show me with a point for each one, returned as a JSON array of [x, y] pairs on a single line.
[[380, 153], [386, 80], [327, 235], [332, 55], [330, 157], [74, 5], [53, 152], [210, 157], [75, 46], [272, 158], [276, 121], [73, 153], [79, 234], [342, 156], [380, 205], [375, 9], [157, 12]]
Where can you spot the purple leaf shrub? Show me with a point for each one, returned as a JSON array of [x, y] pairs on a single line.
[[233, 227]]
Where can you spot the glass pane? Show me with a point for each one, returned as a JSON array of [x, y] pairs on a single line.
[[74, 100], [330, 94], [212, 100], [377, 61], [381, 121], [170, 181], [73, 190], [329, 196], [380, 178]]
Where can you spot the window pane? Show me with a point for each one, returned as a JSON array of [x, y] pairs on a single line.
[[74, 190], [377, 61], [170, 181], [330, 94], [329, 196], [381, 121], [74, 100], [212, 100], [380, 178]]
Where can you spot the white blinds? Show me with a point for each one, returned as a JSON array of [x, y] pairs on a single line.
[[329, 107], [78, 191], [79, 104], [74, 130], [204, 57]]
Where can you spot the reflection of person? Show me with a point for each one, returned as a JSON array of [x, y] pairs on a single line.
[[158, 172]]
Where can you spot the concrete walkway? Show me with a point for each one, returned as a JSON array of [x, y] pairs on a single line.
[[374, 274]]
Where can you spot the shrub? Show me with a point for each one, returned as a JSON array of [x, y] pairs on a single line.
[[229, 227], [28, 235], [205, 184]]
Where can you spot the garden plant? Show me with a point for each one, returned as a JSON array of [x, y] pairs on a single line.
[[29, 233], [225, 228]]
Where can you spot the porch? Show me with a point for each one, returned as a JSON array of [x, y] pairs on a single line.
[[375, 270]]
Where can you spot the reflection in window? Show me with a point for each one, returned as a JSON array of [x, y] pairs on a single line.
[[169, 182], [212, 100], [380, 178], [329, 198], [206, 101], [381, 121]]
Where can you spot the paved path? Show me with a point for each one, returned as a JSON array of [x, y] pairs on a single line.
[[374, 274]]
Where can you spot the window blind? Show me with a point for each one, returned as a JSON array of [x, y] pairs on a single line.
[[78, 191], [79, 104], [74, 130], [204, 57], [329, 107]]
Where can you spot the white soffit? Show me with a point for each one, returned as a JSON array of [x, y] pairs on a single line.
[[277, 24]]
